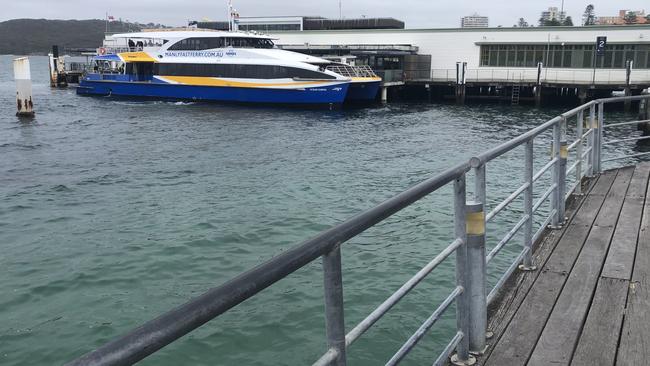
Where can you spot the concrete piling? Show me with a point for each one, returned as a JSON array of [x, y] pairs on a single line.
[[22, 75]]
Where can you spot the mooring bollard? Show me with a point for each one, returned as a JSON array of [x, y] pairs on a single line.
[[23, 78]]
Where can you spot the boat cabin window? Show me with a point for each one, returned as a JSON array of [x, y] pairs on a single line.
[[197, 44], [108, 67], [207, 43], [241, 42], [140, 71], [237, 71]]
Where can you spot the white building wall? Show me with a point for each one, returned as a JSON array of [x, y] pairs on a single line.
[[448, 46]]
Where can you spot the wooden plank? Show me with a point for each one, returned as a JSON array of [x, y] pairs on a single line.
[[599, 338], [566, 252], [608, 215], [516, 288], [556, 344], [519, 338], [620, 258], [639, 181], [560, 335], [634, 348], [603, 188]]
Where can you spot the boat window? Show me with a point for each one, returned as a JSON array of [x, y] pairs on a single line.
[[237, 71], [197, 44], [207, 43], [242, 42]]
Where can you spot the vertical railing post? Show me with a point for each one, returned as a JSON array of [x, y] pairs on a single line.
[[555, 201], [598, 138], [591, 140], [335, 324], [579, 127], [462, 356], [476, 274], [476, 228], [527, 264], [564, 155]]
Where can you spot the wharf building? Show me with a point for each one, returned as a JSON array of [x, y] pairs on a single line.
[[301, 23], [511, 64]]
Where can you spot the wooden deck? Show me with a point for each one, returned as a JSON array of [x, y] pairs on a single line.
[[589, 301]]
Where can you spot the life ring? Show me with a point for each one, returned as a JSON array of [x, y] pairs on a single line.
[[102, 51]]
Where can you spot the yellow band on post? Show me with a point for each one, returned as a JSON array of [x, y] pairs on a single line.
[[475, 224], [564, 151]]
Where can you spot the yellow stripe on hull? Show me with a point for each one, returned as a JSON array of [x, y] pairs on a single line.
[[365, 79], [207, 81]]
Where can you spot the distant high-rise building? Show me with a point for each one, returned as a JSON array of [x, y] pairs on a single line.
[[553, 13], [620, 19], [474, 21]]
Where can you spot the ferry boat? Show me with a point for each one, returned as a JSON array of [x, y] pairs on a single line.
[[221, 66]]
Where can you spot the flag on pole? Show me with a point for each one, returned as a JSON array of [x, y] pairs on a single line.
[[111, 18]]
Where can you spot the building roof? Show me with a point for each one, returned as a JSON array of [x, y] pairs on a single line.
[[491, 29]]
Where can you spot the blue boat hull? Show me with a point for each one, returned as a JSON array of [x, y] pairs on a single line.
[[333, 94], [365, 91]]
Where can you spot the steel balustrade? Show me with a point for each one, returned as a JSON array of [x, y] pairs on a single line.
[[469, 246]]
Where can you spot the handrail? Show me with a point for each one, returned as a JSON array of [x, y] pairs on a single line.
[[469, 247], [585, 77], [174, 324]]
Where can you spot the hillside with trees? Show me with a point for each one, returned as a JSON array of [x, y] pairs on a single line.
[[36, 36]]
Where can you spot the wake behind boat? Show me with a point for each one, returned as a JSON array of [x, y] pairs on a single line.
[[221, 66]]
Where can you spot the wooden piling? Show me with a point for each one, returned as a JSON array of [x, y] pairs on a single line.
[[22, 75]]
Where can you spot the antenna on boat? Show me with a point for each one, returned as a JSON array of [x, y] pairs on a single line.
[[340, 10], [233, 17], [230, 15]]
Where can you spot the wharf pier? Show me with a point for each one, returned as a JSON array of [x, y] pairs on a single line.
[[575, 290], [588, 303], [515, 85]]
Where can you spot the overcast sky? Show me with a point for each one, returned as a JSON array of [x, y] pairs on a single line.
[[416, 13]]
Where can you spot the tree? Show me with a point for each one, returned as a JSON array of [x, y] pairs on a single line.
[[522, 23], [568, 22], [549, 23], [630, 17], [589, 16]]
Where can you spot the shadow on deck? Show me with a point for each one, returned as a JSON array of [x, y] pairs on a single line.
[[588, 303]]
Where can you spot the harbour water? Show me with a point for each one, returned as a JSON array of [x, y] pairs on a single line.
[[112, 212]]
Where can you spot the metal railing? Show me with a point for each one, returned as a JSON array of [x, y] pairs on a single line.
[[352, 71], [470, 292], [522, 75]]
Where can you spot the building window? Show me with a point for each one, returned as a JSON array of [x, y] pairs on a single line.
[[567, 56]]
